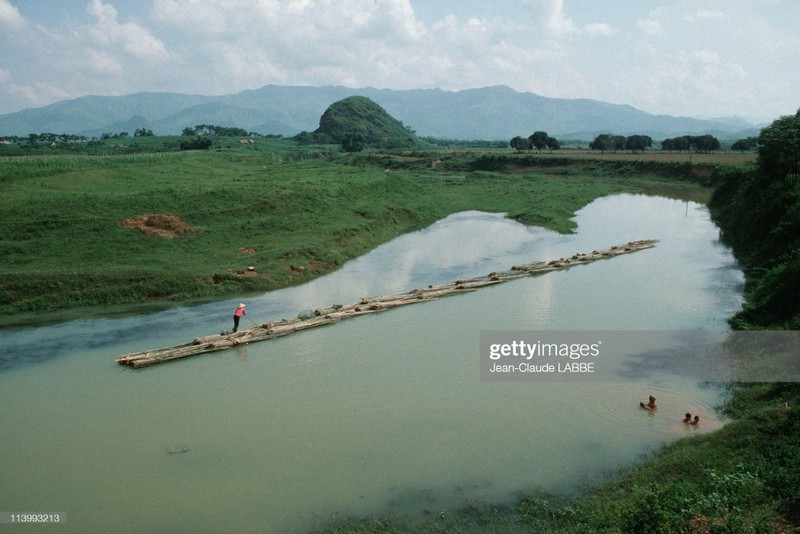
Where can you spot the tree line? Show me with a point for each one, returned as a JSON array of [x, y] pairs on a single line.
[[690, 143], [615, 143], [538, 140], [608, 142], [216, 131]]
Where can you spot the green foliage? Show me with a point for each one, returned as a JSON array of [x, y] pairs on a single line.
[[464, 143], [540, 140], [696, 143], [201, 143], [638, 143], [358, 115], [353, 142], [779, 149], [519, 143], [748, 143], [608, 143], [490, 162], [216, 131], [760, 219]]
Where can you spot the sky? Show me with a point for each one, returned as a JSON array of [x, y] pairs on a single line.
[[704, 59]]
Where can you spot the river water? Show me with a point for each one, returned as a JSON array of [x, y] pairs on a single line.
[[381, 412]]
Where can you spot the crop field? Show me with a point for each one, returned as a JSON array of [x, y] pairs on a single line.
[[142, 224]]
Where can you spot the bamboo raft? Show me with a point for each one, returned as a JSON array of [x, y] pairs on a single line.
[[324, 316]]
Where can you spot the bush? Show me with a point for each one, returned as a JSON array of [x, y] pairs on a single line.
[[201, 143]]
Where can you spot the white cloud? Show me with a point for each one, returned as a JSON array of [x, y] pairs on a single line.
[[10, 17], [104, 63], [703, 56], [133, 38], [550, 47], [39, 94], [598, 29], [650, 26], [551, 13], [703, 15]]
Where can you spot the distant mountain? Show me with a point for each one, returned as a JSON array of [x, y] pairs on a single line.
[[487, 113]]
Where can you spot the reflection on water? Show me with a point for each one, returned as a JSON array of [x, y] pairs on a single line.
[[386, 410]]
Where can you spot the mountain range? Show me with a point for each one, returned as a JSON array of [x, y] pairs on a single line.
[[489, 113]]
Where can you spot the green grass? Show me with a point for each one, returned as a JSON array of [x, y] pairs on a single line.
[[291, 212]]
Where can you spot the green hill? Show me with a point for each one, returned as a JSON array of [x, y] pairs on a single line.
[[360, 115]]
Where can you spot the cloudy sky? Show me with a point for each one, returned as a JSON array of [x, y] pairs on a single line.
[[680, 57]]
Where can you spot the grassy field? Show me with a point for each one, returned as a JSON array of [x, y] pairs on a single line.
[[257, 217]]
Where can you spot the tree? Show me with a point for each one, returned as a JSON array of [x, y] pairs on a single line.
[[704, 143], [520, 143], [304, 138], [697, 143], [601, 142], [682, 143], [607, 142], [638, 143], [539, 139], [745, 144], [353, 142], [779, 148]]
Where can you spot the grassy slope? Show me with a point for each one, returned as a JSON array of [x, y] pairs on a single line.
[[296, 213]]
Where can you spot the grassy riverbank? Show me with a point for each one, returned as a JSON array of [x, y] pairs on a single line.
[[290, 213]]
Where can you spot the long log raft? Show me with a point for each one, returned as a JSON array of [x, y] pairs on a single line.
[[323, 316]]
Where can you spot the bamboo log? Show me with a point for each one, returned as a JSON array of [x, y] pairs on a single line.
[[325, 316]]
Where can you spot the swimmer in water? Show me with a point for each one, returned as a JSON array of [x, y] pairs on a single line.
[[650, 405]]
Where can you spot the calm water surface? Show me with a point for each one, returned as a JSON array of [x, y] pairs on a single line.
[[382, 411]]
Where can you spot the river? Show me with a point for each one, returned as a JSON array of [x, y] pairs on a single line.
[[381, 412]]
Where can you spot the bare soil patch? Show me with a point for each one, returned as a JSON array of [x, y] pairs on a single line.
[[159, 225]]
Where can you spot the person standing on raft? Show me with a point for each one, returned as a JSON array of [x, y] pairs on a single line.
[[238, 315]]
